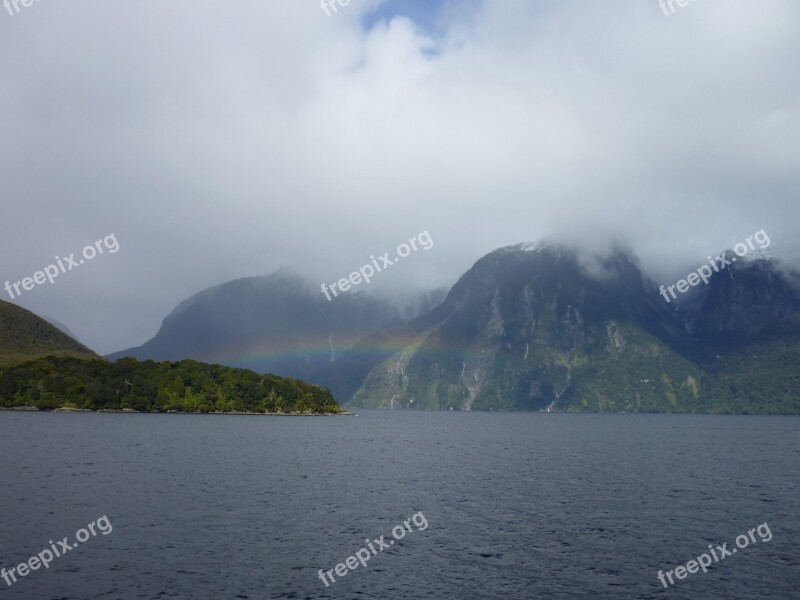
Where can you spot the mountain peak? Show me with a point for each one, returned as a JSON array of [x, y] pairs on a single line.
[[532, 246]]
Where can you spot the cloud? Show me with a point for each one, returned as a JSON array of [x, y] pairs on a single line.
[[220, 141]]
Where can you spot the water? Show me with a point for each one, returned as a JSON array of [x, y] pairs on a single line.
[[518, 505]]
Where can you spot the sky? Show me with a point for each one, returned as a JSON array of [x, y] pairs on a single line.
[[215, 141]]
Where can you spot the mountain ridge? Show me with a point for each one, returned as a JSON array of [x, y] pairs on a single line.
[[528, 327], [24, 335]]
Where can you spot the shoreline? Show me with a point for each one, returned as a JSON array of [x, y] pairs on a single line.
[[172, 412]]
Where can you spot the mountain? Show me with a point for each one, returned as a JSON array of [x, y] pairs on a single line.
[[747, 320], [275, 324], [760, 374], [528, 328], [739, 300], [536, 327], [24, 336]]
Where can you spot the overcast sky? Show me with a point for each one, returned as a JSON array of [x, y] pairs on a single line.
[[219, 140]]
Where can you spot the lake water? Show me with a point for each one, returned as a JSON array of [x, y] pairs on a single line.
[[537, 505]]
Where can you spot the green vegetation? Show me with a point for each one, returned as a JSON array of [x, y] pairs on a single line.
[[760, 377], [24, 336], [641, 375], [187, 386]]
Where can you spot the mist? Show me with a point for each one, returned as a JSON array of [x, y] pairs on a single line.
[[225, 141]]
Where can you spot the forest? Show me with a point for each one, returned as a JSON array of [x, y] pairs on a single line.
[[53, 382]]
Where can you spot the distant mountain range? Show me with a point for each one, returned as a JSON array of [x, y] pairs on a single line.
[[528, 327]]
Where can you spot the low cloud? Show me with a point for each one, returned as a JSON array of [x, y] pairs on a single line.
[[222, 141]]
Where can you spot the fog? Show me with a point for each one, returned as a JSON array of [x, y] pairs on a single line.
[[218, 141]]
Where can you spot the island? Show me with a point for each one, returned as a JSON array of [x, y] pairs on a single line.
[[128, 385]]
